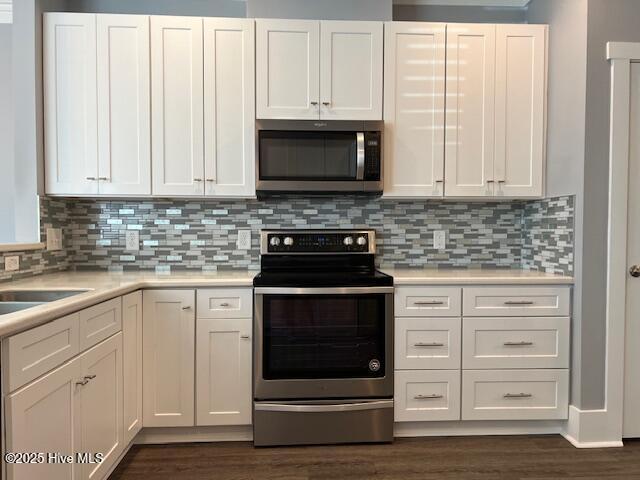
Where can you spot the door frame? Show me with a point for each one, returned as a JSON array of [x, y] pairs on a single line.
[[621, 55]]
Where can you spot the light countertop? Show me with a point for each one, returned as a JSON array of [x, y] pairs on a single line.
[[471, 276], [103, 286]]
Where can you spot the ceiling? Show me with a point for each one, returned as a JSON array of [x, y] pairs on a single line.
[[468, 3]]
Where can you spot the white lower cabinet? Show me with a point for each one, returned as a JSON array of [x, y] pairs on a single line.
[[132, 361], [73, 410], [223, 371], [168, 358], [427, 395], [515, 394]]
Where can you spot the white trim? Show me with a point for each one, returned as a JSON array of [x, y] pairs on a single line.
[[6, 11], [243, 433], [591, 429], [466, 3], [470, 428], [623, 51]]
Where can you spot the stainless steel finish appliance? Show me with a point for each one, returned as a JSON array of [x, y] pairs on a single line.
[[320, 157], [323, 340]]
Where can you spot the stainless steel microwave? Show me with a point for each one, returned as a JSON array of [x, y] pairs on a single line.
[[318, 157]]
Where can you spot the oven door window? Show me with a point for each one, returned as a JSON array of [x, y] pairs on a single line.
[[323, 336], [308, 155]]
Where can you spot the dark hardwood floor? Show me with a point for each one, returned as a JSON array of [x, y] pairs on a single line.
[[523, 457]]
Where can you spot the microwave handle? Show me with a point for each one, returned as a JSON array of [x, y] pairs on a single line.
[[360, 156]]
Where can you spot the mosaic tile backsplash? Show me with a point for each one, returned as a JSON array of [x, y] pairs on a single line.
[[202, 235]]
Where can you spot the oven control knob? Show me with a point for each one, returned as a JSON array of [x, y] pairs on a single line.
[[348, 241], [288, 241], [362, 241], [274, 242]]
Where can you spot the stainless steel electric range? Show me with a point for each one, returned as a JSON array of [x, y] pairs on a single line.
[[323, 340]]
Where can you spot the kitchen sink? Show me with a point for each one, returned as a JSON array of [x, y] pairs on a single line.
[[36, 296], [11, 307]]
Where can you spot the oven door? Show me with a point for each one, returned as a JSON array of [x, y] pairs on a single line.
[[325, 343]]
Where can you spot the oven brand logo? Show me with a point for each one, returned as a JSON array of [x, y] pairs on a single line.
[[374, 365]]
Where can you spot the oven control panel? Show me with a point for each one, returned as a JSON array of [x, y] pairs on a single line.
[[317, 242]]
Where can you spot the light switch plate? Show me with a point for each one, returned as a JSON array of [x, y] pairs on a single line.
[[54, 239], [132, 240], [439, 239], [12, 263], [244, 240]]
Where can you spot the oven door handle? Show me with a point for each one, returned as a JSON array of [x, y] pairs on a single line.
[[340, 407], [360, 152], [321, 291]]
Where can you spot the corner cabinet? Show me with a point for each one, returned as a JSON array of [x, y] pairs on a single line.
[[485, 115], [329, 70]]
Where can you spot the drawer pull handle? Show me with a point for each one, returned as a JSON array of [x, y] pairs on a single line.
[[430, 302], [428, 397], [186, 308], [224, 304], [245, 337], [432, 344], [518, 344], [89, 377], [518, 395], [518, 302], [82, 382]]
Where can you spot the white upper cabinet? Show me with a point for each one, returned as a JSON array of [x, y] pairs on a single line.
[[287, 69], [177, 105], [70, 103], [308, 69], [229, 107], [124, 123], [470, 85], [414, 102], [521, 74], [351, 56]]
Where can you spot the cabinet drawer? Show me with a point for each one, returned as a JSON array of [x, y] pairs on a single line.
[[427, 343], [225, 303], [427, 395], [100, 322], [525, 342], [428, 302], [515, 394], [518, 301], [34, 352]]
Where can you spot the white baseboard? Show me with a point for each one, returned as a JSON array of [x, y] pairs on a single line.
[[591, 429], [469, 428], [194, 434]]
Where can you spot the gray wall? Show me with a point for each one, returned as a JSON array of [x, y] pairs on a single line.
[[200, 8], [321, 9], [459, 14], [609, 20], [567, 82], [7, 232]]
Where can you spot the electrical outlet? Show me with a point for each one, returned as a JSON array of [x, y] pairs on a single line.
[[11, 264], [244, 240], [132, 240], [439, 239], [54, 239]]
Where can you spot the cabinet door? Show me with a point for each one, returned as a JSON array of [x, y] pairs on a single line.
[[287, 69], [124, 123], [223, 369], [521, 72], [168, 358], [70, 103], [414, 109], [101, 406], [351, 70], [177, 106], [132, 361], [229, 112], [41, 417], [470, 83]]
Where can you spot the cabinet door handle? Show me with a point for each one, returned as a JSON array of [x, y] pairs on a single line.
[[245, 337], [518, 302], [91, 178], [188, 307], [197, 179], [90, 377], [428, 397], [518, 344], [314, 104], [103, 178], [432, 344], [431, 302], [518, 395], [211, 179], [326, 104], [82, 382]]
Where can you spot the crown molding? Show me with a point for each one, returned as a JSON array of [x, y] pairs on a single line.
[[6, 11], [467, 3]]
